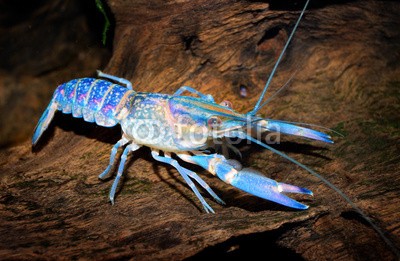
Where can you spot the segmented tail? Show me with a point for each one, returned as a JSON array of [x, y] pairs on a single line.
[[94, 100]]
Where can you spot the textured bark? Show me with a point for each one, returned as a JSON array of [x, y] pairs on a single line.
[[345, 56]]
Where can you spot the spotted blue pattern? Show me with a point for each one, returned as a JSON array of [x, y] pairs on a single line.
[[125, 104], [96, 95], [105, 116], [95, 100], [69, 92], [111, 101], [58, 95], [81, 93]]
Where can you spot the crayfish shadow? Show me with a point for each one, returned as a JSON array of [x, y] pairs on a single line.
[[259, 244], [292, 147], [250, 203], [185, 191], [80, 127], [176, 183]]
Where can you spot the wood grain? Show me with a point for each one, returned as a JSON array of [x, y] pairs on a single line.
[[345, 56]]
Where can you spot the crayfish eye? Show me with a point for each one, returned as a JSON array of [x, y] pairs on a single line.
[[214, 122], [226, 104]]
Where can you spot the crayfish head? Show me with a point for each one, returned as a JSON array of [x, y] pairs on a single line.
[[198, 122]]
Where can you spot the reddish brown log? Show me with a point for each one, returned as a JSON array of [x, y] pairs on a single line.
[[345, 56]]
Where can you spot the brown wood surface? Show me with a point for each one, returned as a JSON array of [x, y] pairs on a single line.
[[345, 56]]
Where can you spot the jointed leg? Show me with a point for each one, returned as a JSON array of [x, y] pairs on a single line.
[[114, 150], [115, 78], [129, 148], [185, 174], [207, 97], [202, 183]]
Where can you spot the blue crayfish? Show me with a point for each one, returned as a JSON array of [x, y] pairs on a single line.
[[186, 127], [174, 124], [180, 125]]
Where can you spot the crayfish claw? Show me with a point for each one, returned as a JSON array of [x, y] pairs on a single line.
[[253, 182], [249, 180]]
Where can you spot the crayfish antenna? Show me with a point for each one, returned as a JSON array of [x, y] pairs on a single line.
[[258, 104], [44, 121]]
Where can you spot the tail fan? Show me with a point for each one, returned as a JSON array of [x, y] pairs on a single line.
[[44, 121]]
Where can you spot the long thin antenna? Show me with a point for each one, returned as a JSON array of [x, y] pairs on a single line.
[[278, 91], [257, 107]]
